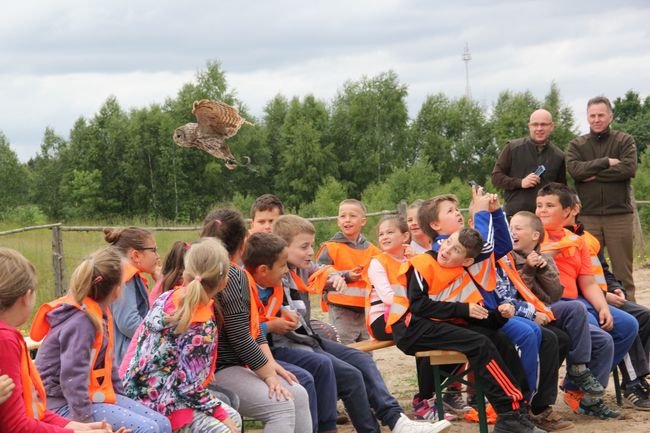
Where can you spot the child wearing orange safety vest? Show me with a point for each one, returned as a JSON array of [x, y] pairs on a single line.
[[177, 349], [348, 252], [76, 357], [393, 237], [23, 402], [445, 312], [138, 247], [634, 366]]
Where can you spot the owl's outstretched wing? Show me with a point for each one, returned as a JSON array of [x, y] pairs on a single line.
[[217, 118]]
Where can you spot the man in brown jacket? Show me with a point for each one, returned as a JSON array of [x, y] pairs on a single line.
[[602, 163]]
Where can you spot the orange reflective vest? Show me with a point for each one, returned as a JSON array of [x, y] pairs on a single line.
[[594, 248], [273, 304], [445, 284], [33, 391], [392, 268], [567, 246], [300, 284], [507, 264], [100, 388], [345, 258]]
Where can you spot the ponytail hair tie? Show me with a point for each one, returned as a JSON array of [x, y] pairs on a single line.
[[97, 279], [198, 278], [186, 246], [218, 221]]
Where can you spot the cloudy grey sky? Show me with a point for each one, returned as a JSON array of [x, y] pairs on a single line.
[[62, 59]]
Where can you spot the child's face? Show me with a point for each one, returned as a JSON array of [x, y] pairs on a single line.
[[450, 220], [147, 258], [26, 302], [550, 211], [412, 222], [524, 237], [263, 220], [272, 276], [351, 220], [301, 250], [390, 238], [452, 254]]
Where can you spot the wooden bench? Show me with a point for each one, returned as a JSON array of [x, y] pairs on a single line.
[[370, 345], [445, 357]]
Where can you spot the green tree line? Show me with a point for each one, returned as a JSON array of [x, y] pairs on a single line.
[[312, 153]]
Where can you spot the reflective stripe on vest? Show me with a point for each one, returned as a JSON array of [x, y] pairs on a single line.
[[99, 391], [33, 391], [445, 284], [594, 248], [345, 258], [507, 264]]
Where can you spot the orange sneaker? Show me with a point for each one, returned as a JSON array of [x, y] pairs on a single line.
[[572, 398]]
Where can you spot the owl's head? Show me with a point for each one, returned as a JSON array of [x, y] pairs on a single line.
[[185, 136]]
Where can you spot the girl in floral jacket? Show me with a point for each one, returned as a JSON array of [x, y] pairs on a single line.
[[177, 348]]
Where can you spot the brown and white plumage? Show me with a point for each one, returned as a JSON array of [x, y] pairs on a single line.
[[217, 121]]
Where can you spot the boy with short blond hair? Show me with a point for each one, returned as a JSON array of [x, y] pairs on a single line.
[[357, 376], [349, 252], [264, 210], [445, 312]]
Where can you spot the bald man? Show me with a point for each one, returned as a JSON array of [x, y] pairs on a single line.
[[514, 171]]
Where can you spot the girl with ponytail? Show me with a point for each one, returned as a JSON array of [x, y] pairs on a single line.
[[76, 356], [176, 351], [24, 408], [138, 248]]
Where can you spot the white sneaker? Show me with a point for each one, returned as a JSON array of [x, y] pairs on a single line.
[[405, 425]]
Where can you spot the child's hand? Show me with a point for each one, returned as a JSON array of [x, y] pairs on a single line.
[[337, 282], [477, 312], [276, 389], [281, 325], [355, 274], [228, 422], [506, 310], [616, 299], [494, 202], [480, 200], [408, 251], [535, 260], [6, 388], [542, 319]]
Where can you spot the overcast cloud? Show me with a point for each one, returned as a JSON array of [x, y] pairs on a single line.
[[62, 59]]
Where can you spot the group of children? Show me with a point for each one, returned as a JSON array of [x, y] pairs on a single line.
[[226, 330]]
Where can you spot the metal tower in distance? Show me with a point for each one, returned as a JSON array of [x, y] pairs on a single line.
[[467, 56]]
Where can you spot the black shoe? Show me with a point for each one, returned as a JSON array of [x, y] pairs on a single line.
[[515, 422], [586, 382], [636, 396], [598, 409]]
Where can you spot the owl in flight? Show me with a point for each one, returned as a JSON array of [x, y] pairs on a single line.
[[216, 122]]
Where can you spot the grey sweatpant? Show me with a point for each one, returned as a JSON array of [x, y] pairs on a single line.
[[284, 416]]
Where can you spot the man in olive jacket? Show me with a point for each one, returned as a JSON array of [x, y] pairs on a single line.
[[514, 171], [602, 163]]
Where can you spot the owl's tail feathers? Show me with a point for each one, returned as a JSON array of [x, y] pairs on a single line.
[[232, 164]]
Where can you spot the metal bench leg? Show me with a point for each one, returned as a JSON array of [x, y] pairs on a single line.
[[480, 406], [617, 387], [438, 389]]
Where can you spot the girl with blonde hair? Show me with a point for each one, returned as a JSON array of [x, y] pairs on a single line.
[[76, 356], [177, 348]]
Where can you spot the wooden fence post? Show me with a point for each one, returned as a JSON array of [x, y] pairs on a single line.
[[401, 209], [58, 265]]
